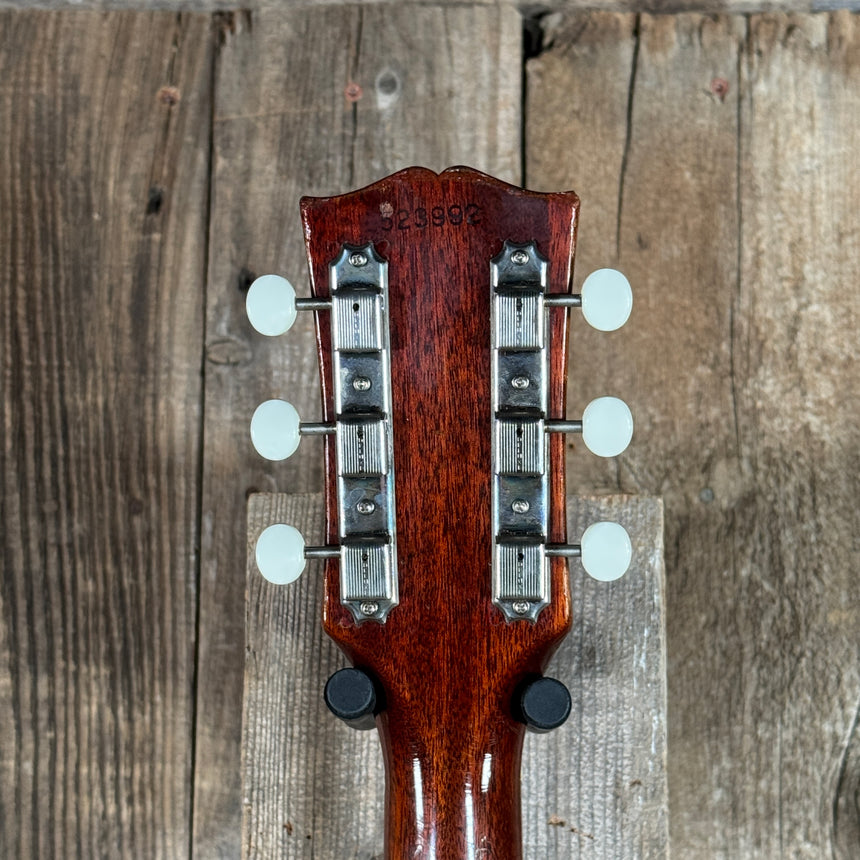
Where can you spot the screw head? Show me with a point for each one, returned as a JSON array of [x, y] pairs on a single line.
[[521, 607], [519, 258], [520, 382], [369, 607], [358, 259], [361, 383], [520, 506], [365, 506]]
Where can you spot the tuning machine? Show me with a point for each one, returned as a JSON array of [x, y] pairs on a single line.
[[363, 444], [521, 419], [606, 299], [272, 305]]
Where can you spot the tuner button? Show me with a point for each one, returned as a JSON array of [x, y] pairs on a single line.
[[271, 305], [350, 695], [606, 551], [275, 429], [542, 704], [606, 299], [607, 426], [280, 554]]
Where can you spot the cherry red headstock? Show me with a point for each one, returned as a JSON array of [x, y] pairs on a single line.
[[442, 328]]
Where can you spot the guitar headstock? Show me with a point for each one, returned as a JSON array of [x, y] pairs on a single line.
[[441, 306]]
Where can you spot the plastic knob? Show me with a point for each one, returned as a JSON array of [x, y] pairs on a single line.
[[606, 299], [275, 429], [542, 704], [606, 551], [607, 426], [271, 305], [280, 554], [350, 695]]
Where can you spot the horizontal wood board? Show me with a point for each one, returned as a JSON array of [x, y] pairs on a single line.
[[104, 193], [529, 8], [715, 161], [315, 101], [595, 788]]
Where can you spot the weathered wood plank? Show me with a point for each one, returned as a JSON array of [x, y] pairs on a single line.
[[729, 154], [596, 788], [527, 7], [798, 414], [103, 190], [311, 102]]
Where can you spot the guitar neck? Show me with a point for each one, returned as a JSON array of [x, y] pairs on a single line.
[[442, 329], [452, 793], [446, 658]]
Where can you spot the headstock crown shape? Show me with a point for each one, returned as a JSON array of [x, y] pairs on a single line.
[[441, 306]]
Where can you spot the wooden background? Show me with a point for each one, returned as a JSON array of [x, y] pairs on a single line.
[[151, 164]]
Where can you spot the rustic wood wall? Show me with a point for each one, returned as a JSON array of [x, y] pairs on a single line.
[[151, 165]]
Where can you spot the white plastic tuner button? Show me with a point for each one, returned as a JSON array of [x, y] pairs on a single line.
[[271, 305], [280, 554], [607, 426], [275, 429], [606, 299], [606, 551]]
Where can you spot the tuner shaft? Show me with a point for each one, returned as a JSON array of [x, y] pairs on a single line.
[[563, 300], [312, 304], [563, 550]]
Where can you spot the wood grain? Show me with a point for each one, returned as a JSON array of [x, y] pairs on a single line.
[[738, 361], [310, 102], [103, 189], [529, 9], [595, 788]]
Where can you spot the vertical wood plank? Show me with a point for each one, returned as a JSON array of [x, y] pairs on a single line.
[[103, 190], [595, 788], [795, 344], [312, 788], [311, 101], [730, 153]]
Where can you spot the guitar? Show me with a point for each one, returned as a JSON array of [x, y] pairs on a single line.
[[441, 305]]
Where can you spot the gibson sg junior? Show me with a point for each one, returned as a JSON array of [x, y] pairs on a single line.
[[441, 315]]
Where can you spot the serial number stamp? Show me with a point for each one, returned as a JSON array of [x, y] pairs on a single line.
[[422, 218]]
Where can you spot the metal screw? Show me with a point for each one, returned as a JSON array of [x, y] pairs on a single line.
[[520, 607], [358, 259], [361, 383], [520, 382], [519, 258], [365, 506], [520, 506], [369, 607]]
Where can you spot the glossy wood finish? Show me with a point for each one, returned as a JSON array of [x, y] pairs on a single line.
[[446, 659]]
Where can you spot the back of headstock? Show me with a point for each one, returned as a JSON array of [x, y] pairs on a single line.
[[442, 326]]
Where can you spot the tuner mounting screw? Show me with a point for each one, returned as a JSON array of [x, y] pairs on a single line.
[[520, 382], [361, 383], [521, 607], [520, 506], [519, 258], [358, 259], [369, 607], [365, 506]]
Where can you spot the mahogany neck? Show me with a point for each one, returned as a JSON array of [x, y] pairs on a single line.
[[453, 794]]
